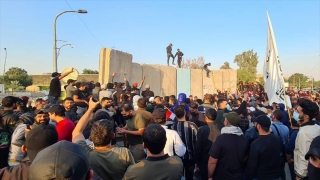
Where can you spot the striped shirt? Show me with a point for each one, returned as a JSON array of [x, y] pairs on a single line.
[[188, 132]]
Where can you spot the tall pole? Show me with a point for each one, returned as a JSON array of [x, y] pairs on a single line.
[[55, 66], [298, 78], [5, 61]]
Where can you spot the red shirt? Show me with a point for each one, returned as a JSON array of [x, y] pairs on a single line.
[[64, 129]]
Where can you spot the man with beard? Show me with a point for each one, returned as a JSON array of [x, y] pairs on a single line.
[[18, 138], [308, 131], [106, 105], [70, 113], [195, 116]]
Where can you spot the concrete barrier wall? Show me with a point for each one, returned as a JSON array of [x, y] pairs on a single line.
[[183, 81], [164, 80]]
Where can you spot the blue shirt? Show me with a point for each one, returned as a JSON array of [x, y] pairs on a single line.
[[292, 143], [283, 131]]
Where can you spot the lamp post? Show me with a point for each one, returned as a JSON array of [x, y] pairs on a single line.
[[55, 68], [5, 61], [310, 77], [58, 53], [299, 80]]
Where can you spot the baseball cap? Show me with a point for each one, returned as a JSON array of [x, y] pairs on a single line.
[[151, 99], [60, 160], [58, 109], [147, 86], [232, 117], [54, 74], [40, 111], [314, 149], [70, 81], [251, 109], [158, 113], [40, 137], [264, 121]]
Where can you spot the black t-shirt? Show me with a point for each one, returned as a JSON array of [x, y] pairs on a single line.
[[230, 150], [81, 95], [147, 93], [265, 159], [4, 148], [55, 87]]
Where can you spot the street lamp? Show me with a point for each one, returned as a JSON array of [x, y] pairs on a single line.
[[310, 77], [55, 68], [62, 47]]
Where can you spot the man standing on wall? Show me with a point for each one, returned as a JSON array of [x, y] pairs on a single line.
[[55, 86], [179, 54], [169, 54], [206, 68]]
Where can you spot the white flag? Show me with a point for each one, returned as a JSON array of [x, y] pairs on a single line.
[[273, 76]]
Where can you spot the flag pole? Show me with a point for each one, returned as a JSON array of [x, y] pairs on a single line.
[[276, 52]]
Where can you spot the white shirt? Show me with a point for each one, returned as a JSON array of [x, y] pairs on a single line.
[[174, 143], [304, 138]]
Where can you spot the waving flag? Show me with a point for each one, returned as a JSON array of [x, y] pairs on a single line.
[[273, 76]]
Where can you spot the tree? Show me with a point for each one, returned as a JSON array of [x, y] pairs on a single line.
[[296, 78], [17, 77], [89, 71], [193, 63], [225, 65], [261, 80], [247, 62]]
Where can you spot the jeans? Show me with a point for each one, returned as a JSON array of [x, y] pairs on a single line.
[[137, 152], [291, 168], [207, 70], [53, 99], [188, 168], [170, 55], [179, 62]]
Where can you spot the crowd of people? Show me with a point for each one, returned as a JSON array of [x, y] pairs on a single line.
[[117, 131]]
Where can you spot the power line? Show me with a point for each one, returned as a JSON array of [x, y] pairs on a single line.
[[85, 25], [314, 67]]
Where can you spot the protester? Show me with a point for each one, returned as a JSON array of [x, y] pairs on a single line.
[[134, 129], [62, 160], [158, 165], [103, 154], [96, 91], [142, 104], [207, 135], [147, 93], [70, 88], [308, 131], [64, 125], [70, 112], [188, 133], [38, 138], [9, 120], [313, 156], [229, 152], [195, 116], [55, 86], [174, 144], [222, 108], [291, 145], [80, 97], [266, 157], [278, 128]]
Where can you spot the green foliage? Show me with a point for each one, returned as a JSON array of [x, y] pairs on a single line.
[[193, 63], [261, 80], [17, 77], [247, 62], [44, 88], [294, 81], [225, 65], [89, 71]]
